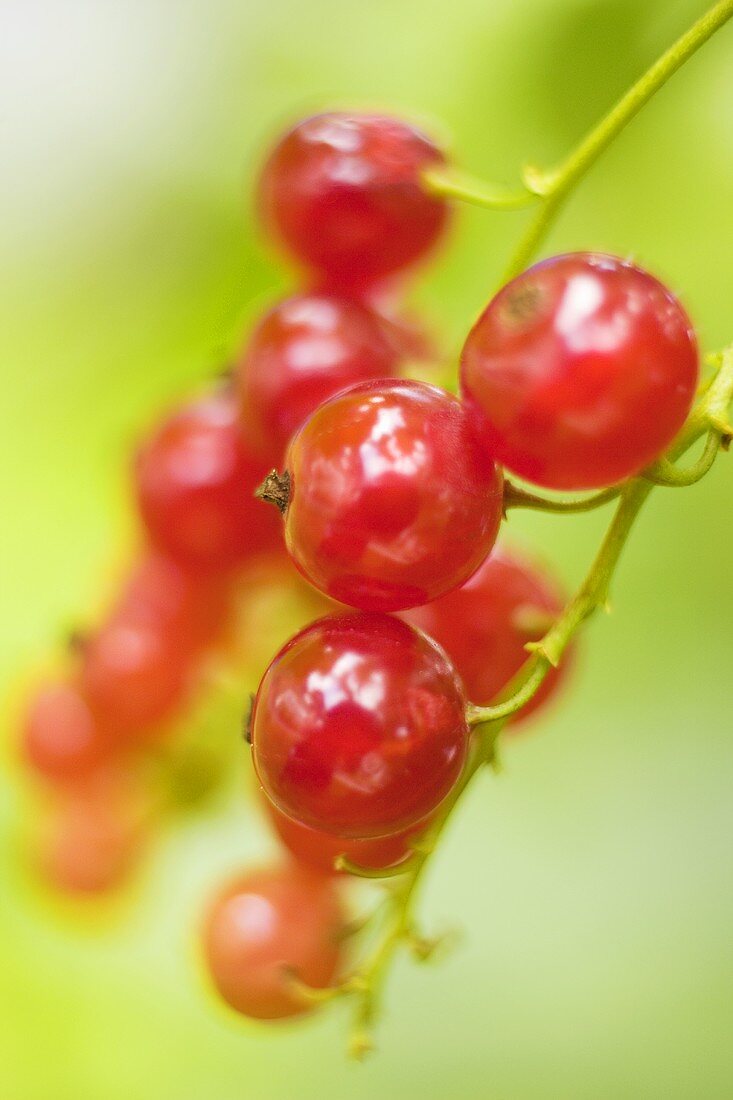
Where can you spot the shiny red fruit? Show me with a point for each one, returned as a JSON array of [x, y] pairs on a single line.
[[392, 500], [358, 727], [580, 372], [320, 850], [267, 926], [196, 479], [485, 625], [343, 193], [135, 675], [304, 351], [62, 740]]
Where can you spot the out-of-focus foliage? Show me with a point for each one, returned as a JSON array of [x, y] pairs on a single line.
[[594, 879]]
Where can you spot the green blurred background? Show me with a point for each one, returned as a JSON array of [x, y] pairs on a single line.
[[594, 878]]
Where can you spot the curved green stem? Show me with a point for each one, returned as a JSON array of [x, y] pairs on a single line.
[[514, 497], [709, 416], [531, 683], [663, 472], [556, 185], [368, 980], [452, 184]]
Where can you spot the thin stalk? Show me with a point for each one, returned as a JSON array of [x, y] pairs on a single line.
[[555, 186]]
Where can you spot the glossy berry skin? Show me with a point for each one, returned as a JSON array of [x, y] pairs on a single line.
[[267, 925], [580, 372], [62, 740], [343, 193], [358, 727], [195, 483], [135, 675], [485, 625], [392, 499], [319, 850], [304, 351]]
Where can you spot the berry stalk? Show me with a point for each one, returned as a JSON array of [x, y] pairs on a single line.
[[550, 188], [710, 416]]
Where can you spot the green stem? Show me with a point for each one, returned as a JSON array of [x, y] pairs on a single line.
[[531, 682], [452, 184], [663, 472], [710, 415], [371, 976], [514, 497], [367, 983], [555, 186]]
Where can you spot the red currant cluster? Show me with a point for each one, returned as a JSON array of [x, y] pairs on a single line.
[[578, 375]]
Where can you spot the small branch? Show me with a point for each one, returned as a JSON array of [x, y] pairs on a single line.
[[514, 497], [555, 186], [665, 473], [451, 184], [367, 982], [529, 686]]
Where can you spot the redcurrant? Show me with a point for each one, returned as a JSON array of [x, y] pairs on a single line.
[[195, 482], [267, 927], [343, 192], [580, 371], [358, 727], [305, 350], [485, 625], [390, 500]]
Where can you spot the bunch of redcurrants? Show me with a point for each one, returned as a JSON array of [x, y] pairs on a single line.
[[577, 376]]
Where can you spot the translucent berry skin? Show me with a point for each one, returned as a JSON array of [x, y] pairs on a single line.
[[392, 499], [195, 482], [304, 351], [485, 625], [358, 727], [580, 372], [319, 850], [62, 740], [343, 193], [266, 925], [135, 675]]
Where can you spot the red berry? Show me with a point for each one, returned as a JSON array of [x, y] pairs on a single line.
[[485, 625], [135, 676], [304, 351], [196, 481], [61, 739], [580, 372], [358, 727], [392, 501], [344, 194], [267, 926], [189, 605], [319, 850]]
